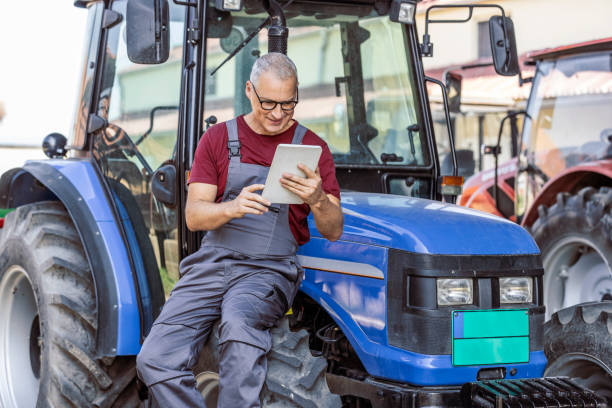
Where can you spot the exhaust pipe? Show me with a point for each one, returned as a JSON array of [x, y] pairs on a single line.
[[277, 30]]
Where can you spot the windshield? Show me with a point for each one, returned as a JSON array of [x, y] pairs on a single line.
[[570, 119], [356, 89]]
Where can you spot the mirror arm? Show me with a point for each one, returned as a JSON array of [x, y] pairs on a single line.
[[497, 151], [426, 47], [469, 66], [451, 137]]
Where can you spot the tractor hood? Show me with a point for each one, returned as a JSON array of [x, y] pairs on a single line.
[[428, 227]]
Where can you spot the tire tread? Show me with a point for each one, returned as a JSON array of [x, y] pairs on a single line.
[[73, 376], [295, 376], [585, 328]]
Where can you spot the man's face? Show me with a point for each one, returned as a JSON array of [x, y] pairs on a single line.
[[271, 88]]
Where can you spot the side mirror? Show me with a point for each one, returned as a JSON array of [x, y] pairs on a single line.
[[503, 46], [148, 37], [453, 88]]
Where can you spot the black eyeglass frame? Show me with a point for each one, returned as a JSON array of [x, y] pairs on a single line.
[[295, 102]]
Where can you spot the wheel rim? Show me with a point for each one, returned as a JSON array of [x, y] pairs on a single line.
[[575, 272], [19, 351], [586, 371], [207, 383]]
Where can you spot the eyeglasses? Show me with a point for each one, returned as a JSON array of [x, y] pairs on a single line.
[[268, 105]]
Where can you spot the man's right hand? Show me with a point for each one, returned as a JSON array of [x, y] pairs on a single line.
[[248, 202], [202, 213]]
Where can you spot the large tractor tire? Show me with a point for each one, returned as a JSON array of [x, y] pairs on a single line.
[[295, 377], [578, 344], [575, 237], [48, 318]]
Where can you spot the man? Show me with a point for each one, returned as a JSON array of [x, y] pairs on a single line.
[[246, 272]]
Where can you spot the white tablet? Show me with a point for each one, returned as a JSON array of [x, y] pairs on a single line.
[[286, 159]]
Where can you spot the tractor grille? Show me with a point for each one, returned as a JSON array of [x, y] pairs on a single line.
[[558, 392]]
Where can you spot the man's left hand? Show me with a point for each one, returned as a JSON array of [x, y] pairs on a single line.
[[309, 189]]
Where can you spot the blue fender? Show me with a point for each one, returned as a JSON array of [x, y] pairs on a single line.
[[78, 186]]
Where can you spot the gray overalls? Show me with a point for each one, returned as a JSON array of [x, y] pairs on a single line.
[[246, 273]]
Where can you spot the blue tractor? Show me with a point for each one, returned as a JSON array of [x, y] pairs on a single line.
[[420, 303]]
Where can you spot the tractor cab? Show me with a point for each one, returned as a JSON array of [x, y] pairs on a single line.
[[361, 90], [567, 123]]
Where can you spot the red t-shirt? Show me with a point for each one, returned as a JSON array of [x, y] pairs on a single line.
[[211, 162]]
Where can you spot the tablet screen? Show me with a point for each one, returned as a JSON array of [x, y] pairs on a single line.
[[286, 159]]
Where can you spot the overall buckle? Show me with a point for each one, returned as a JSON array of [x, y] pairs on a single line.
[[234, 148]]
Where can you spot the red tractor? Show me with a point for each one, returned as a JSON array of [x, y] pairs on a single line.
[[559, 186]]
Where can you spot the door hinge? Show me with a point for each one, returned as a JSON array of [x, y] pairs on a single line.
[[193, 33]]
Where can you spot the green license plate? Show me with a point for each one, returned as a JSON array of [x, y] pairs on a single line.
[[482, 337]]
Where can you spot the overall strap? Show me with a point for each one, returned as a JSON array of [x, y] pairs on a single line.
[[300, 131], [233, 143]]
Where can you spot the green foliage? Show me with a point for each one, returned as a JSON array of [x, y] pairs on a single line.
[[167, 281]]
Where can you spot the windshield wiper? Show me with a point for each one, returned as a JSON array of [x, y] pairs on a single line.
[[250, 37], [393, 157], [242, 45]]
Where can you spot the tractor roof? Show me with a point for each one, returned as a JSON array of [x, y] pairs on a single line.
[[603, 44], [85, 3]]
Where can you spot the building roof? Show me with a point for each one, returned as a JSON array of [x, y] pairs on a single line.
[[482, 86], [602, 44], [486, 92], [582, 83]]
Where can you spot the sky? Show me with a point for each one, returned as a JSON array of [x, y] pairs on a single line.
[[41, 45]]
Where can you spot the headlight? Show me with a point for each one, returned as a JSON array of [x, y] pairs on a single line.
[[515, 290], [454, 292]]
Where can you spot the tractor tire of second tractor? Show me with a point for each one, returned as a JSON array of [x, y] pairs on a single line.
[[575, 237], [578, 344], [48, 318]]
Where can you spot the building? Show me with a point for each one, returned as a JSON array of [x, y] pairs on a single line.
[[486, 97]]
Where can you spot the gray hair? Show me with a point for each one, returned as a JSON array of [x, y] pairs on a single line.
[[276, 63]]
